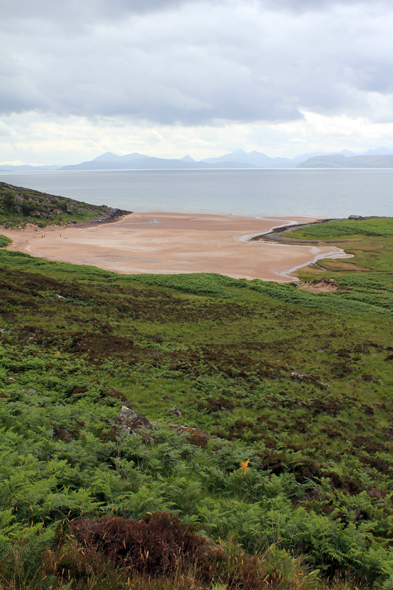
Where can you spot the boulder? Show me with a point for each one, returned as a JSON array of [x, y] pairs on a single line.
[[131, 422], [175, 410]]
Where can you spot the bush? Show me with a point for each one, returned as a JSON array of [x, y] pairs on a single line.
[[9, 202], [4, 241], [159, 545]]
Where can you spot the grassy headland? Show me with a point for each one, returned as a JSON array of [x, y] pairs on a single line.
[[19, 206], [282, 454]]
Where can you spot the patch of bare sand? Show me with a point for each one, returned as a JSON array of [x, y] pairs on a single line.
[[175, 243]]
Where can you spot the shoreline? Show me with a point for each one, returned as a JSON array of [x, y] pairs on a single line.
[[174, 243]]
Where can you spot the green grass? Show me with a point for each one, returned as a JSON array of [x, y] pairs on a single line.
[[297, 383], [4, 241], [381, 227]]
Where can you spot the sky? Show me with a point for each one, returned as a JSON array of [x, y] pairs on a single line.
[[175, 77]]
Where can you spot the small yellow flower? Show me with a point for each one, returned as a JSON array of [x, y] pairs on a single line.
[[244, 466], [57, 352]]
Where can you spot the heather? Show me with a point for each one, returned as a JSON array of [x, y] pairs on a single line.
[[268, 461]]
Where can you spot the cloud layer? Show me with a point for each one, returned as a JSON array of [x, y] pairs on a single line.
[[197, 63], [169, 77]]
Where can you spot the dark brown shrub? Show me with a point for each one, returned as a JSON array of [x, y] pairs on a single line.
[[61, 434], [276, 461], [346, 483], [158, 545]]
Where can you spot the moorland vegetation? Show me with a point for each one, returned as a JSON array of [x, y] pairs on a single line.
[[19, 206], [266, 457]]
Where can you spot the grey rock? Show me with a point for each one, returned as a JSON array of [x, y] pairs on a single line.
[[131, 422]]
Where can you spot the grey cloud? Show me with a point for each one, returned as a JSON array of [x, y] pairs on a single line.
[[195, 62], [86, 11], [316, 5]]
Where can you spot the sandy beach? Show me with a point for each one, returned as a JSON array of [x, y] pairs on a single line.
[[174, 243]]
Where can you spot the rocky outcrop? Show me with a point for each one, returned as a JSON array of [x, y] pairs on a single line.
[[130, 422], [109, 216], [175, 411]]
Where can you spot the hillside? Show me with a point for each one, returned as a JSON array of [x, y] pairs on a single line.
[[19, 206], [257, 415], [340, 161]]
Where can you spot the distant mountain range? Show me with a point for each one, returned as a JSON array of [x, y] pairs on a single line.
[[377, 158], [137, 161], [27, 168], [339, 161]]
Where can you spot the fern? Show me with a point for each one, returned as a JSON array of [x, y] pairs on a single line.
[[21, 550]]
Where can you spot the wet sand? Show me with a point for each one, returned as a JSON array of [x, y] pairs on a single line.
[[175, 243]]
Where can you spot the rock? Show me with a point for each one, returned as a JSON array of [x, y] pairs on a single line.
[[299, 376], [131, 422], [41, 214], [175, 410], [307, 378], [59, 296]]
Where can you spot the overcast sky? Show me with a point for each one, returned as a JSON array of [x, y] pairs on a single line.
[[174, 77]]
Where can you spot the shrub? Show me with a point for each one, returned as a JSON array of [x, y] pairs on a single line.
[[4, 241], [159, 545]]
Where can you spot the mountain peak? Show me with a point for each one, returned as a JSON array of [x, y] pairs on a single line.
[[347, 153], [239, 152], [382, 151], [107, 157]]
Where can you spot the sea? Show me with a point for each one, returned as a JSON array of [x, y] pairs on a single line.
[[316, 193]]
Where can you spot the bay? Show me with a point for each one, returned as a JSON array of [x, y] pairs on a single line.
[[319, 193]]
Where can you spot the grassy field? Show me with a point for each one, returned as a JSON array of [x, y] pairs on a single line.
[[277, 474], [347, 228]]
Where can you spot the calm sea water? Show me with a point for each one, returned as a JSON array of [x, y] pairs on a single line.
[[320, 193]]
